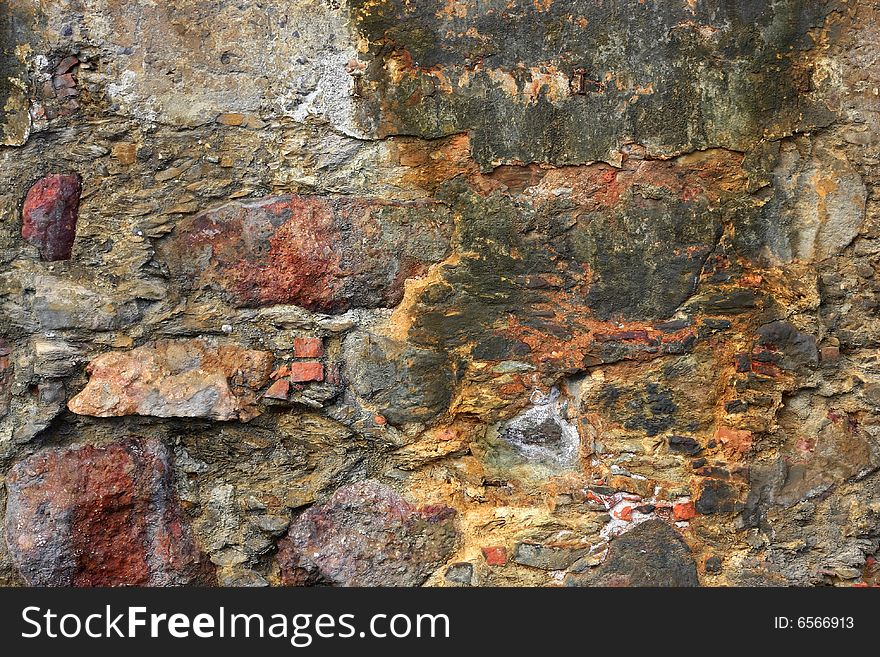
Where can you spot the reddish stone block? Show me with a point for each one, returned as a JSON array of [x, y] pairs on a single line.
[[100, 516], [50, 213], [306, 372], [66, 64], [495, 555], [684, 511], [308, 347], [322, 253], [64, 81]]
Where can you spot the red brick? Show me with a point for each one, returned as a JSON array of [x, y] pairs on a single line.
[[684, 511], [495, 555], [308, 347], [306, 371]]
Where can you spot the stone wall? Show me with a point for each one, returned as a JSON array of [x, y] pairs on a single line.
[[377, 292]]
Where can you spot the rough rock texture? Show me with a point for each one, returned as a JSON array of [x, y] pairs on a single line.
[[103, 516], [367, 535], [15, 120], [601, 277], [675, 76]]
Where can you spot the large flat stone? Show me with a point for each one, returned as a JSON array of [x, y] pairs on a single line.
[[322, 253], [403, 383], [529, 79], [176, 378]]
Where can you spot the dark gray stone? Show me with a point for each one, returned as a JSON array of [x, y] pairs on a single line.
[[460, 573], [650, 554], [547, 557], [716, 496], [798, 349], [403, 383], [714, 565]]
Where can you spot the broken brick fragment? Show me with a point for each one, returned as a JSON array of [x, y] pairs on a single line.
[[625, 514], [278, 390], [495, 555], [684, 511], [736, 442]]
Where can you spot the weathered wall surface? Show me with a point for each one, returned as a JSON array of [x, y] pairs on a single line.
[[378, 292]]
